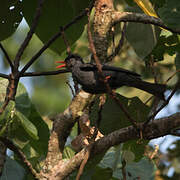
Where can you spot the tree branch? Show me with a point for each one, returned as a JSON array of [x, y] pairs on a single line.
[[48, 73], [62, 126], [21, 155], [4, 76], [51, 40], [119, 46], [7, 56], [157, 128], [118, 17]]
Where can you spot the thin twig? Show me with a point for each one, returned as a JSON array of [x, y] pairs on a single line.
[[68, 49], [163, 105], [72, 91], [51, 40], [92, 47], [153, 69], [29, 34], [124, 169], [99, 66], [21, 155], [4, 76], [7, 56], [120, 44], [102, 100], [177, 71], [3, 107], [84, 162], [47, 73], [15, 75], [172, 76]]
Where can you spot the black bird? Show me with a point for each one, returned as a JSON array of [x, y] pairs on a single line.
[[87, 75]]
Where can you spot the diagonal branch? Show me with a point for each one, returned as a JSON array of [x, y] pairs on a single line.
[[120, 44], [7, 56], [46, 45], [159, 127], [21, 155], [118, 17], [103, 79], [162, 106], [30, 33]]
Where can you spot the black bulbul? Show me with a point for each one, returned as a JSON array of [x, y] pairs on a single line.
[[88, 76]]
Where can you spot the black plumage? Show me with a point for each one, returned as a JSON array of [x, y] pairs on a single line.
[[87, 75]]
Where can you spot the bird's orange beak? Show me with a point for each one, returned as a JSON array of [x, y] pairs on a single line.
[[62, 65]]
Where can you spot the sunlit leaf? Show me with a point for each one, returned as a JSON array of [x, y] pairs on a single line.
[[55, 15], [170, 13], [12, 170], [27, 125]]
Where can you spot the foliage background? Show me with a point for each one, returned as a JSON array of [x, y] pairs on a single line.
[[50, 95]]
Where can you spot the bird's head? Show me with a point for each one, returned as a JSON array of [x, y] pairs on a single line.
[[71, 61]]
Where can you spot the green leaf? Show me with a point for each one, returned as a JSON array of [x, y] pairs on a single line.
[[23, 103], [6, 118], [100, 173], [12, 170], [144, 169], [177, 61], [10, 17], [68, 153], [27, 125], [135, 147], [167, 43], [3, 86], [41, 144], [54, 15], [25, 107], [142, 37], [113, 118], [170, 13]]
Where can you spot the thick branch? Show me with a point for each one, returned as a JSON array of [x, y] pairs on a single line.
[[157, 128], [4, 76], [62, 126], [118, 17]]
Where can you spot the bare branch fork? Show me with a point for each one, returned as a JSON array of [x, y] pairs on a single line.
[[16, 75]]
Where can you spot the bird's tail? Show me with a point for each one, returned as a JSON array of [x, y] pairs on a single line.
[[152, 88]]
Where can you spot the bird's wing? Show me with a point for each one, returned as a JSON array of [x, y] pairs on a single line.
[[88, 67], [93, 67], [118, 69]]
